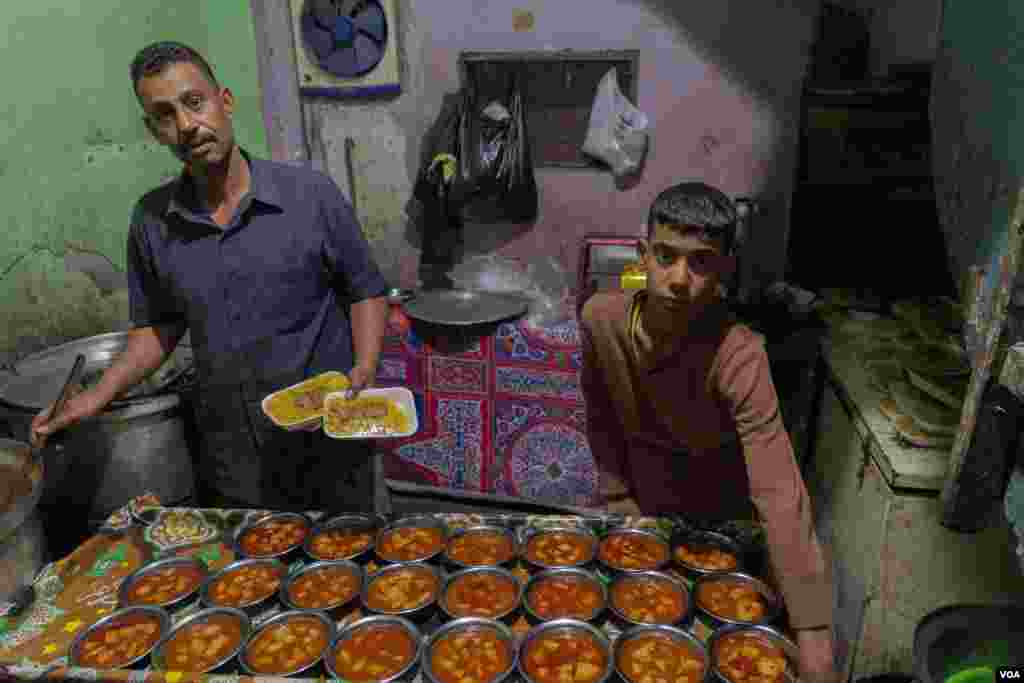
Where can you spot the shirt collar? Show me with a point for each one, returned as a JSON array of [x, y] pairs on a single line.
[[262, 188]]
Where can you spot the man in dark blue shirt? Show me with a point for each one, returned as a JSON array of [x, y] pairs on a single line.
[[266, 266]]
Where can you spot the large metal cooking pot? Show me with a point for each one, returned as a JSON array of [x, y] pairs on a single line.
[[138, 444]]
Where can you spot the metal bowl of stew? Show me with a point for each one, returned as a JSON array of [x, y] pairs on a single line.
[[555, 548], [416, 611], [527, 665], [447, 651], [152, 585], [82, 654], [563, 600], [407, 638], [247, 540], [482, 599], [461, 552], [252, 659], [646, 551], [716, 648], [335, 604], [252, 604], [709, 550], [344, 536], [692, 662], [205, 627], [673, 606], [432, 539], [757, 588]]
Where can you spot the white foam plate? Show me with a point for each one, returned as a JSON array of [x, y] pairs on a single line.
[[400, 395], [299, 423]]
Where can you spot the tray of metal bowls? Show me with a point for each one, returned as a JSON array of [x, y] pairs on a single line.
[[734, 599], [208, 641], [123, 639], [733, 649]]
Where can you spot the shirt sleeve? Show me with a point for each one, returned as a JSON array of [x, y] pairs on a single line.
[[604, 430], [149, 302], [777, 488], [347, 253]]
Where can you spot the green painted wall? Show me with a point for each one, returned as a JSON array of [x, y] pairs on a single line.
[[74, 154]]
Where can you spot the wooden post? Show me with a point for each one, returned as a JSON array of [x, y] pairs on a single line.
[[282, 105], [957, 510]]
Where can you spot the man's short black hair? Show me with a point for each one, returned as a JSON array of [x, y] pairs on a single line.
[[153, 59], [697, 207]]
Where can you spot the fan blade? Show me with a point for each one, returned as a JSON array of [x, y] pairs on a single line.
[[373, 23], [325, 12], [347, 7], [319, 40], [342, 63], [368, 53]]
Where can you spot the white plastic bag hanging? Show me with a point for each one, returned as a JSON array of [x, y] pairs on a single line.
[[617, 134]]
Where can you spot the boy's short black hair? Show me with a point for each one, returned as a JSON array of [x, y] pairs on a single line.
[[699, 207], [153, 59]]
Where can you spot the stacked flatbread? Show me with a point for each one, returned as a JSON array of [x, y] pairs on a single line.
[[918, 367]]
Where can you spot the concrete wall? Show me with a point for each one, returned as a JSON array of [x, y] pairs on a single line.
[[720, 82], [74, 154]]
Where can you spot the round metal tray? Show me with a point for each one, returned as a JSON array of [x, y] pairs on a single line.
[[464, 306]]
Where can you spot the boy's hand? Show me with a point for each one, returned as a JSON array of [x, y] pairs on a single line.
[[816, 656]]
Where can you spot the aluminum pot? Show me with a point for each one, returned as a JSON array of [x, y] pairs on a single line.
[[138, 444]]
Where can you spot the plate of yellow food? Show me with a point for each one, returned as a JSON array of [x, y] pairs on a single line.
[[302, 404], [375, 414]]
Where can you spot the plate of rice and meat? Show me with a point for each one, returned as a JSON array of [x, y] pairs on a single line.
[[374, 414]]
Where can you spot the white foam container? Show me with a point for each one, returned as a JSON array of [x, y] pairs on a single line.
[[400, 395], [299, 424]]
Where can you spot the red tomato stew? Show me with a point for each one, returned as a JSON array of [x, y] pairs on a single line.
[[340, 544], [481, 594], [401, 590], [559, 549], [408, 544], [481, 548], [561, 657], [119, 642], [374, 653], [649, 601], [749, 658], [162, 586], [245, 585], [632, 552], [273, 537], [287, 646], [565, 598], [476, 655], [650, 658], [200, 646], [732, 599], [323, 588]]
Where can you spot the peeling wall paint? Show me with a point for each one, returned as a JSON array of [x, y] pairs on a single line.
[[76, 156]]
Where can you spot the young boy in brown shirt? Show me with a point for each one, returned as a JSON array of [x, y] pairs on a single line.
[[682, 416]]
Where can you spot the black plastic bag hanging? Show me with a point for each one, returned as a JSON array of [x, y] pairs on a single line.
[[495, 180]]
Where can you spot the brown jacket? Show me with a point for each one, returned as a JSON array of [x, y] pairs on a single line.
[[700, 434]]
